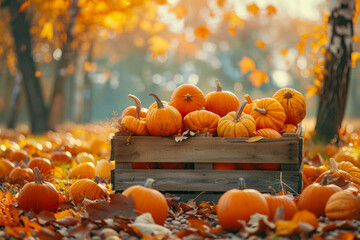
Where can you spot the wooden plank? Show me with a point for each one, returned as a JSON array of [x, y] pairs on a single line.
[[203, 165], [205, 149], [205, 180]]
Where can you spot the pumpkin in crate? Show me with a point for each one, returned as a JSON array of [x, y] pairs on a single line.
[[187, 98], [164, 120], [293, 103], [221, 102], [343, 205], [86, 188], [224, 166], [236, 124], [5, 168], [42, 164], [250, 104], [135, 125], [38, 195], [268, 113], [267, 133], [289, 128], [21, 175], [201, 121], [83, 170], [148, 200], [131, 110]]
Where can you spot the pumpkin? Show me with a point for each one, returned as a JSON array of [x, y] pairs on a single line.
[[268, 113], [144, 165], [201, 121], [224, 166], [148, 200], [187, 98], [351, 169], [221, 102], [268, 133], [135, 125], [321, 193], [164, 120], [103, 169], [86, 188], [83, 170], [343, 205], [276, 201], [250, 104], [245, 166], [42, 164], [345, 156], [131, 110], [311, 173], [334, 175], [5, 168], [154, 105], [171, 165], [236, 124], [61, 157], [38, 195], [229, 211], [306, 217], [21, 175], [293, 103], [289, 128], [19, 156], [82, 157]]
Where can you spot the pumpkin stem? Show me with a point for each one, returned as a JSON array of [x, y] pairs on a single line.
[[218, 86], [38, 178], [158, 101], [248, 98], [238, 112], [272, 191], [137, 103], [27, 160], [260, 110], [242, 183], [97, 179], [149, 182], [288, 95], [188, 97], [333, 165]]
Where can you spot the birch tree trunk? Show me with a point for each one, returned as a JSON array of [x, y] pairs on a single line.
[[334, 91]]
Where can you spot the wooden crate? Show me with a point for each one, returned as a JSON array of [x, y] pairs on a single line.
[[203, 151]]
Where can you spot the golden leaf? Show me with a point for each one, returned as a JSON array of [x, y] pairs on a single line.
[[301, 47], [312, 90], [284, 52], [158, 46], [47, 31], [246, 64], [254, 139], [202, 32], [253, 8], [232, 31], [258, 77], [221, 3], [234, 20], [179, 11], [271, 10], [65, 213], [354, 57], [284, 228], [260, 44]]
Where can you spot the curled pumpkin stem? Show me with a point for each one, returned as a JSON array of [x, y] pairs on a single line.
[[149, 182], [260, 110], [137, 103], [239, 111], [38, 177], [248, 98], [158, 101]]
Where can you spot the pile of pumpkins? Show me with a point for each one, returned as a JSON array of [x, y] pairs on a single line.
[[219, 113]]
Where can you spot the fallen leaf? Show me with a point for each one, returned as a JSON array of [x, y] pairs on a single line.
[[202, 32], [271, 10], [258, 77], [246, 64], [47, 31], [284, 228], [48, 234], [179, 11], [354, 57], [253, 8], [68, 221], [145, 224], [46, 217], [254, 139], [186, 135], [284, 51], [202, 226], [260, 44], [158, 46], [221, 3], [65, 213], [82, 230], [258, 223]]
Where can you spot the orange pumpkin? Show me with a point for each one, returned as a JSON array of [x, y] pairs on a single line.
[[85, 157], [351, 169], [135, 125], [21, 175], [201, 121], [18, 156], [42, 164], [276, 201], [171, 165], [187, 98], [85, 188], [148, 200], [131, 110], [334, 175], [164, 120], [224, 166], [245, 166], [293, 103], [311, 173], [5, 168], [103, 169], [236, 124], [221, 102], [268, 113], [345, 156], [289, 128], [343, 205], [306, 217], [268, 133], [83, 170], [250, 104], [61, 157], [38, 195], [155, 105]]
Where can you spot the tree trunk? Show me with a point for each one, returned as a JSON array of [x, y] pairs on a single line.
[[20, 29], [88, 90], [15, 102], [58, 97], [334, 91]]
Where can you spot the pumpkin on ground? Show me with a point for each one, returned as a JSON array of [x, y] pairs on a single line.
[[201, 121], [236, 124], [83, 170], [86, 188], [21, 175], [276, 201], [187, 98], [343, 205], [103, 169], [38, 195], [164, 120], [5, 168], [85, 157], [351, 169], [221, 102], [334, 175], [61, 157], [268, 113], [148, 200], [250, 104], [18, 156], [135, 125], [42, 164], [293, 103]]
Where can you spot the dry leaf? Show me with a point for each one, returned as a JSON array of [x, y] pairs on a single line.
[[145, 224], [202, 32], [284, 228], [246, 64], [47, 31], [271, 10], [158, 46], [254, 139], [258, 77], [253, 8], [82, 230], [260, 44], [186, 135], [354, 57], [49, 234], [179, 11], [284, 51]]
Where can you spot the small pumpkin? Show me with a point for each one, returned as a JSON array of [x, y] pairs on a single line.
[[293, 103], [268, 133], [268, 113], [289, 128], [85, 157], [83, 170], [306, 217], [42, 164], [245, 166], [351, 169], [19, 156], [276, 201], [164, 120], [224, 166], [171, 165], [236, 124], [144, 165], [343, 205], [319, 191], [250, 104], [135, 125], [201, 121], [187, 98], [311, 173], [149, 200], [21, 175], [5, 168], [86, 188], [221, 102], [103, 169], [38, 195], [345, 156], [61, 157], [131, 110], [334, 175]]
